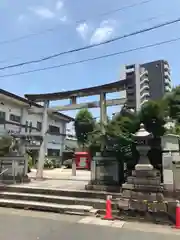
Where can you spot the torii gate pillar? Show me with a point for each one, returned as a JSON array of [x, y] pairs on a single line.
[[43, 148], [103, 111]]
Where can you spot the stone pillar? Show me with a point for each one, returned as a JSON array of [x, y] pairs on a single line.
[[42, 150], [103, 114], [73, 166], [23, 153]]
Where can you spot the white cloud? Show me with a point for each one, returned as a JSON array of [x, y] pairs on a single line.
[[103, 32], [43, 12], [83, 30], [59, 5], [63, 19], [58, 13]]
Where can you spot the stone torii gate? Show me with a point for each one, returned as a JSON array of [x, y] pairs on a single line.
[[101, 90]]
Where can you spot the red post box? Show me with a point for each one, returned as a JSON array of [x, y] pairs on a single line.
[[83, 160]]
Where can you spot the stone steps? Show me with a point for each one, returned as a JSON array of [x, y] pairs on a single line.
[[96, 203], [55, 200], [50, 207], [60, 192]]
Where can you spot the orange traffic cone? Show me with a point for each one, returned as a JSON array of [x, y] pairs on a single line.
[[108, 215], [178, 215]]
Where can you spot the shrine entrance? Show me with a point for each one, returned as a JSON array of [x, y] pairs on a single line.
[[103, 103]]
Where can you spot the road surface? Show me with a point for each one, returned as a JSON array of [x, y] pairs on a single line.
[[27, 225]]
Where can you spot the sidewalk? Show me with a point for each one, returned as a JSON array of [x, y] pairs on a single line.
[[62, 174], [131, 226], [59, 178]]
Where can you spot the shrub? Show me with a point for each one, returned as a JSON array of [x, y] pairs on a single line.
[[48, 163]]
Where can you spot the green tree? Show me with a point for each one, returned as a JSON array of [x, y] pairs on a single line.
[[84, 125], [152, 114], [172, 101], [174, 130], [7, 144], [123, 123]]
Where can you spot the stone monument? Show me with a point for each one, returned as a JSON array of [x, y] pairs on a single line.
[[104, 173], [171, 161], [13, 161], [145, 183]]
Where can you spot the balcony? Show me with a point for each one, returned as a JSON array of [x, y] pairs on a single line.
[[166, 67], [145, 94], [168, 88], [144, 101], [167, 82], [144, 79], [144, 73], [144, 87], [167, 75]]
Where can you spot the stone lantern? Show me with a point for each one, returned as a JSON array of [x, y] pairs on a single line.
[[142, 138], [144, 185]]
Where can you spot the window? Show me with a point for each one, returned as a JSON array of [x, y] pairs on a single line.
[[15, 118], [129, 74], [54, 129], [53, 152], [26, 127], [30, 127], [2, 115], [130, 66], [39, 126]]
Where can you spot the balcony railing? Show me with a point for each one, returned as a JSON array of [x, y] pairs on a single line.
[[143, 88]]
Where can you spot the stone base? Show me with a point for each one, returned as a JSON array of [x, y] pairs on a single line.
[[102, 186], [146, 167], [141, 196], [153, 181], [145, 173], [144, 180], [148, 206], [142, 188], [17, 179]]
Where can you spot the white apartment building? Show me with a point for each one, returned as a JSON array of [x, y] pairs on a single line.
[[148, 81], [16, 117]]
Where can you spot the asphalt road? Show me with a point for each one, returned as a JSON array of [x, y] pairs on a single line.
[[25, 225]]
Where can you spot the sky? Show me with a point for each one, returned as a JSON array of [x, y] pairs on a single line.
[[78, 23]]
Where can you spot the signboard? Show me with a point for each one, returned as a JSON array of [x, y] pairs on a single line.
[[82, 162], [170, 142], [176, 171], [167, 169]]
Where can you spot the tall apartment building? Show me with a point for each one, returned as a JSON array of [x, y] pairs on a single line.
[[148, 81]]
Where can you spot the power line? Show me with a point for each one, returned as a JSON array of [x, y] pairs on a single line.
[[145, 20], [92, 45], [92, 59], [76, 22]]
